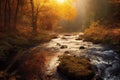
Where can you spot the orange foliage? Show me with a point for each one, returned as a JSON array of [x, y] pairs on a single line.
[[53, 12], [99, 33], [34, 66]]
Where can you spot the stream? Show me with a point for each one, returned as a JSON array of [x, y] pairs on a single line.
[[106, 62]]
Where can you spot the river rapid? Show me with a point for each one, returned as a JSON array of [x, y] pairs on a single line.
[[105, 61]]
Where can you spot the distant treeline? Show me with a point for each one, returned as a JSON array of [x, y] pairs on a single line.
[[33, 14]]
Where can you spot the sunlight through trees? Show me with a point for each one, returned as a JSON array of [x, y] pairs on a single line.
[[61, 1]]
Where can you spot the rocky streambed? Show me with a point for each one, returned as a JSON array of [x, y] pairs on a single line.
[[105, 61]]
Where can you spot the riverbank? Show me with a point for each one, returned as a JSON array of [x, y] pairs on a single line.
[[100, 34], [13, 49]]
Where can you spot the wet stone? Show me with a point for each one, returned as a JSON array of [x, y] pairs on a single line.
[[58, 44], [54, 37], [63, 46], [64, 38], [79, 38], [67, 52], [67, 35], [81, 47]]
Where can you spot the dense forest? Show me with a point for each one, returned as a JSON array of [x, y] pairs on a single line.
[[105, 22], [25, 24]]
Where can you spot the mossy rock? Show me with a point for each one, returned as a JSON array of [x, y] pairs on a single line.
[[76, 68]]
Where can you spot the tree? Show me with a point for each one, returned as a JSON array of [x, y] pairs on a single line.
[[33, 16], [104, 11], [9, 14], [43, 13], [16, 13], [53, 12]]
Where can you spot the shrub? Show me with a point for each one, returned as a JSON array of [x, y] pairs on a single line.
[[100, 34], [75, 68]]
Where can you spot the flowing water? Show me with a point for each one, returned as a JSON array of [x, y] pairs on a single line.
[[105, 60]]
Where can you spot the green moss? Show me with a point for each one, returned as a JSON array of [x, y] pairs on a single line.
[[75, 68]]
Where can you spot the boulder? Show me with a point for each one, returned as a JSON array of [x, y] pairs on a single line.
[[67, 52], [67, 35], [79, 38], [81, 47], [64, 38], [54, 37], [63, 46], [58, 44], [75, 68]]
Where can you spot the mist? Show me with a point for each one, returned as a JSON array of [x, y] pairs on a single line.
[[87, 12]]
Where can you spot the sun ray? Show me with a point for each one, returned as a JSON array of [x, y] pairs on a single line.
[[61, 1]]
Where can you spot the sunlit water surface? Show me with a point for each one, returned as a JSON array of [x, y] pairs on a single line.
[[105, 60]]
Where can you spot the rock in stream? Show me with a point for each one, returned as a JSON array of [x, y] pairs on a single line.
[[107, 62]]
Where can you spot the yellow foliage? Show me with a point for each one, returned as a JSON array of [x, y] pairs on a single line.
[[64, 10], [51, 11]]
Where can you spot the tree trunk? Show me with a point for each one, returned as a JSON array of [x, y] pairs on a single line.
[[9, 13], [32, 7], [0, 9], [5, 14], [34, 24], [16, 13]]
